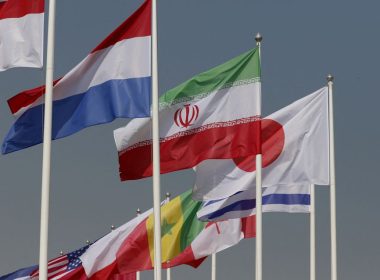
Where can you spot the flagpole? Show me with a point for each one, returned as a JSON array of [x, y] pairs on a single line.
[[156, 149], [138, 212], [46, 158], [312, 232], [213, 267], [259, 230], [334, 273], [168, 270]]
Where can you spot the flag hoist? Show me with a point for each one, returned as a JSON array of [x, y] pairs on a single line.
[[156, 149], [43, 261], [259, 230], [334, 273]]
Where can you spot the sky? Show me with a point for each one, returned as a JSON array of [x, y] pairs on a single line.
[[303, 41]]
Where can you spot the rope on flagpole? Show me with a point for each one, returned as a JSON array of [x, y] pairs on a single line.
[[334, 273], [259, 230], [46, 158]]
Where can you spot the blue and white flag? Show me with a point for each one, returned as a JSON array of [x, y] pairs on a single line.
[[290, 199]]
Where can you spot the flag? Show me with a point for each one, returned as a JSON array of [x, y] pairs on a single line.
[[21, 33], [295, 151], [66, 267], [199, 119], [21, 274], [63, 265], [290, 199], [185, 240], [113, 81]]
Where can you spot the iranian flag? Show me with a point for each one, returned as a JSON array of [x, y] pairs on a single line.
[[214, 115], [185, 240]]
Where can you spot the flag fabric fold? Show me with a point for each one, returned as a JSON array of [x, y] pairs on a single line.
[[21, 33], [21, 274], [290, 199], [185, 240], [295, 152], [113, 81], [198, 120]]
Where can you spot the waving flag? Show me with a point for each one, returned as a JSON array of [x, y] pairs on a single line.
[[113, 81], [59, 267], [185, 240], [21, 33], [293, 199], [199, 120], [66, 267], [21, 274], [295, 151]]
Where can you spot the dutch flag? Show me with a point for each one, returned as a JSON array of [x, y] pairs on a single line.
[[113, 81]]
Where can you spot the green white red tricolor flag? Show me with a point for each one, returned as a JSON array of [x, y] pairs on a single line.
[[214, 115]]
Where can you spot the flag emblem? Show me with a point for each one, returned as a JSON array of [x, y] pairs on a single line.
[[272, 141], [186, 116]]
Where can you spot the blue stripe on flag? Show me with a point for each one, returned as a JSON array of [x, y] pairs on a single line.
[[103, 103], [242, 205]]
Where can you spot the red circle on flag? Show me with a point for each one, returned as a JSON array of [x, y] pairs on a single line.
[[272, 139]]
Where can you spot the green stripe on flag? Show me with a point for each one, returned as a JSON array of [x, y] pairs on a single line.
[[191, 225], [243, 69]]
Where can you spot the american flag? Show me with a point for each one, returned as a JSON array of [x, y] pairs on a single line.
[[62, 265]]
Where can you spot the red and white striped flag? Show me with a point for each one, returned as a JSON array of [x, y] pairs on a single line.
[[59, 267], [21, 33]]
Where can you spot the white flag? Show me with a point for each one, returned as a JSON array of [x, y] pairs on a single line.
[[295, 151], [287, 199], [21, 33]]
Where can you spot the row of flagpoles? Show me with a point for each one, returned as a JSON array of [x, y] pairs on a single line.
[[46, 166]]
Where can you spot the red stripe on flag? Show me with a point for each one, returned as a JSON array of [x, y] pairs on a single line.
[[137, 25], [189, 150], [134, 254], [248, 226], [76, 274], [186, 257], [20, 8], [26, 98]]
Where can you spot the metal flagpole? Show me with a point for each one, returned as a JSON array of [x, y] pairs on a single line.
[[168, 270], [259, 230], [334, 274], [156, 149], [138, 212], [46, 158], [213, 267], [312, 232]]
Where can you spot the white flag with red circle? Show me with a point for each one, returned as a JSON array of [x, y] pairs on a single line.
[[295, 151]]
